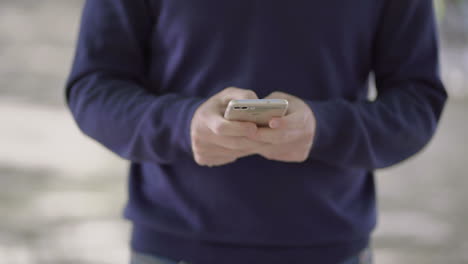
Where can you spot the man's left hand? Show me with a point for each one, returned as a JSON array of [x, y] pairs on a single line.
[[290, 137]]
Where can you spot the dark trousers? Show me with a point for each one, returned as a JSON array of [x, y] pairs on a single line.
[[364, 257]]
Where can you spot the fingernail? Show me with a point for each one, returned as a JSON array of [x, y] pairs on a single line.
[[274, 123]]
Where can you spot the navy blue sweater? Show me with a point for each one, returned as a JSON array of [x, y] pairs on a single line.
[[143, 67]]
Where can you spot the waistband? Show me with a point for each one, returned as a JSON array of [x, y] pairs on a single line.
[[191, 250]]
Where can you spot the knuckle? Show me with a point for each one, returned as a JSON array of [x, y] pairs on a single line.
[[250, 94], [230, 89], [284, 158], [219, 128], [200, 160], [269, 155], [231, 160], [196, 140], [300, 156], [241, 153], [277, 94]]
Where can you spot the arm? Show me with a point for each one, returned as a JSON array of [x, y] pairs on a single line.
[[410, 98], [107, 89], [399, 123]]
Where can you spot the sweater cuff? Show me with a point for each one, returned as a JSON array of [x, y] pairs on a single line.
[[194, 104], [323, 133]]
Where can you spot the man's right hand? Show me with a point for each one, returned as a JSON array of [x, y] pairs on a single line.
[[217, 141]]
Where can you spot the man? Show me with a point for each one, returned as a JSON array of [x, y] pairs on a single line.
[[152, 78]]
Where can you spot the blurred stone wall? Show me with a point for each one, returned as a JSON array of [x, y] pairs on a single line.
[[454, 40]]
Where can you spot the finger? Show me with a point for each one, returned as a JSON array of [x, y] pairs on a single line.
[[224, 160], [276, 136], [234, 93], [274, 152], [278, 95], [290, 152], [213, 156], [295, 120], [213, 150], [216, 156], [215, 161], [220, 126], [222, 163], [239, 143]]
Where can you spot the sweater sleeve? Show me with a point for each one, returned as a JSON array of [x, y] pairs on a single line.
[[108, 91], [411, 96]]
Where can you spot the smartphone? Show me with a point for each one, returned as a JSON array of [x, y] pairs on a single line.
[[259, 111]]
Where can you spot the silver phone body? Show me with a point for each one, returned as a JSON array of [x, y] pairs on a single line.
[[259, 111]]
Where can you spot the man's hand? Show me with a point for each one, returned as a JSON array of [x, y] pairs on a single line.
[[217, 141], [290, 138]]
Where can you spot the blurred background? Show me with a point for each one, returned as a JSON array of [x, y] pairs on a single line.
[[61, 194]]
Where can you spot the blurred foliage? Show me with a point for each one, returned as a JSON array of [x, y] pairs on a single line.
[[440, 8], [441, 5]]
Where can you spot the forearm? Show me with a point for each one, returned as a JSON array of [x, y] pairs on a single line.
[[131, 122], [410, 96], [108, 90], [377, 134]]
